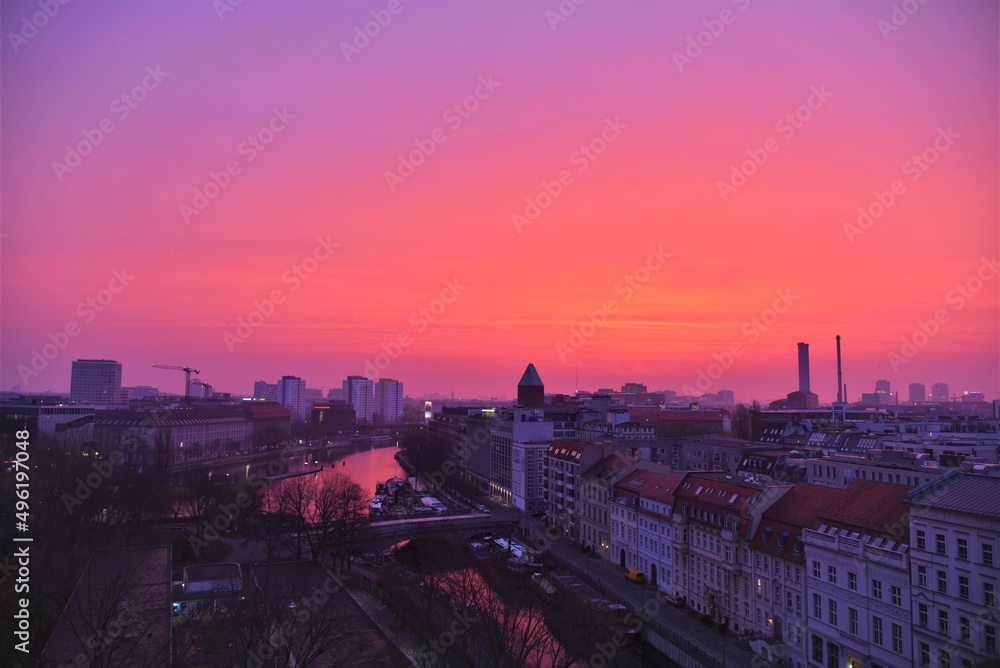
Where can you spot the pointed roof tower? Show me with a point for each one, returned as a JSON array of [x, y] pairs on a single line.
[[531, 389]]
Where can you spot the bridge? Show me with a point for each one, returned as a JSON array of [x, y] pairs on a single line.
[[392, 531]]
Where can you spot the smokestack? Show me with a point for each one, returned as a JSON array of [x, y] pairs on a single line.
[[803, 367], [841, 390]]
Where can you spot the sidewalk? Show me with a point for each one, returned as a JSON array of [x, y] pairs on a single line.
[[392, 627], [609, 579]]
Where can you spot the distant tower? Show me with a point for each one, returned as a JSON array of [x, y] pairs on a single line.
[[358, 392], [803, 367], [841, 390], [291, 391], [939, 393], [918, 393], [531, 389], [95, 381]]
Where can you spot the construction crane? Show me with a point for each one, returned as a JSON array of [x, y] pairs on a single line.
[[187, 375]]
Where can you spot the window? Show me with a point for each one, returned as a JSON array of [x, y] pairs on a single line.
[[897, 595], [877, 589], [816, 571], [921, 539], [922, 576], [817, 606], [833, 611], [832, 655], [987, 554], [942, 580], [877, 630], [897, 638], [943, 621], [964, 629], [963, 549], [925, 655], [817, 649], [963, 587], [923, 616], [831, 574], [990, 638], [944, 659], [852, 617], [989, 595], [940, 544]]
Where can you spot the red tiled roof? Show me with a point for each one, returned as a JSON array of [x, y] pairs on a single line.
[[782, 523], [611, 465], [869, 505], [562, 448], [650, 484]]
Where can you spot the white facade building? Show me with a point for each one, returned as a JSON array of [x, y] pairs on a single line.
[[358, 392], [388, 399], [955, 570], [291, 393]]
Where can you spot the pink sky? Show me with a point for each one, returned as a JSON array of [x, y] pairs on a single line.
[[878, 98]]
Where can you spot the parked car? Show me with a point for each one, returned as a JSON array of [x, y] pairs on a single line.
[[635, 576]]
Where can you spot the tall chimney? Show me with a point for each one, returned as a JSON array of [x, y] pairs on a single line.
[[841, 390], [803, 367]]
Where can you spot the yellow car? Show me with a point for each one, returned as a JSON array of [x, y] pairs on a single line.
[[635, 576]]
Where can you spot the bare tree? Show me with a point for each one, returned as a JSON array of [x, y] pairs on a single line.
[[508, 633], [741, 423], [115, 616], [201, 496], [288, 611], [327, 512]]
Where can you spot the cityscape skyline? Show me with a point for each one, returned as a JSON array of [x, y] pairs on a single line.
[[204, 206], [262, 390]]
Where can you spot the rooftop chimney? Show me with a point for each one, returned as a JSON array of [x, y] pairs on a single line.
[[841, 390], [803, 367]]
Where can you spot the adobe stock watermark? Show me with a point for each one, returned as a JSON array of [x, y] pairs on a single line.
[[121, 108], [625, 289], [786, 126], [915, 167], [564, 10], [956, 298], [900, 15], [420, 320], [581, 158], [223, 7], [293, 277], [363, 35], [248, 149], [714, 28], [454, 116], [751, 330], [31, 25], [87, 310]]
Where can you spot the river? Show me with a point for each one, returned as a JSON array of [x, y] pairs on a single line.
[[365, 465]]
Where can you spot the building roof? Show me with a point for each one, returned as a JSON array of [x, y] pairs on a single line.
[[567, 450], [867, 505], [651, 484], [608, 467], [960, 492], [530, 377], [217, 571], [720, 494], [682, 415], [781, 525]]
